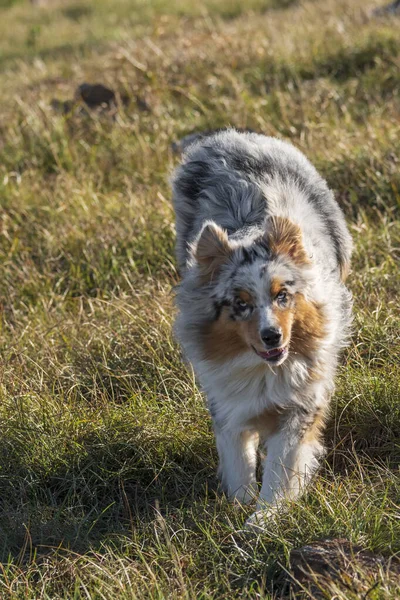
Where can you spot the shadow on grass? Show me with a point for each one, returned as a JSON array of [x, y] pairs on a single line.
[[116, 477], [108, 489], [371, 55], [352, 62], [363, 181], [76, 12], [366, 421], [233, 10]]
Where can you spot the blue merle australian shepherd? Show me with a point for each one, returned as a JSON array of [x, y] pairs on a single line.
[[264, 252]]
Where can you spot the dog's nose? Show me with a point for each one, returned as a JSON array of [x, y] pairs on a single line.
[[271, 337]]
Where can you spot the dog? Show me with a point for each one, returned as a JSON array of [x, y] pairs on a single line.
[[263, 311]]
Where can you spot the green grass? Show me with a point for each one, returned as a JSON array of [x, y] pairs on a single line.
[[108, 482]]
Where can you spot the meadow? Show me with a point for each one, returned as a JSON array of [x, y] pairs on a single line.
[[108, 484]]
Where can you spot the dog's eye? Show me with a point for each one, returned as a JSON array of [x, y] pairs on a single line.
[[282, 297], [241, 304]]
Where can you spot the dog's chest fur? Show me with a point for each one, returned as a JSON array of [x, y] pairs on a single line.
[[243, 390]]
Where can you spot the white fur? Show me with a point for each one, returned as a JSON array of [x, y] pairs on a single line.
[[237, 181]]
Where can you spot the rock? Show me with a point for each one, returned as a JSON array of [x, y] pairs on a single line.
[[95, 95], [90, 96], [337, 562], [390, 9]]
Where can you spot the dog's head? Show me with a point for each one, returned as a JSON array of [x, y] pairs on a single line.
[[259, 290]]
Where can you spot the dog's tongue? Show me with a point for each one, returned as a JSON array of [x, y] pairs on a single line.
[[272, 353]]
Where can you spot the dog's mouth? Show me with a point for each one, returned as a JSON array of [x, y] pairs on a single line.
[[273, 356]]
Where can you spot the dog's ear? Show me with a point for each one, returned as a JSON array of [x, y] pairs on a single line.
[[285, 237], [211, 250]]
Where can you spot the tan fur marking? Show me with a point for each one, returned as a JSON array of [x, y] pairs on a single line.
[[222, 340], [314, 432], [285, 318], [284, 237], [245, 296], [308, 327], [316, 373], [275, 287], [266, 423], [344, 271]]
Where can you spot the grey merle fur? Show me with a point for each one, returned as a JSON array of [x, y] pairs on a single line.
[[221, 179], [236, 181]]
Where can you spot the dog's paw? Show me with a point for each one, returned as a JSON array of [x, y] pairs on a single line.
[[243, 496], [259, 520]]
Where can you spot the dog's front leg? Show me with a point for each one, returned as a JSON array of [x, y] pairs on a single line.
[[237, 463], [292, 458]]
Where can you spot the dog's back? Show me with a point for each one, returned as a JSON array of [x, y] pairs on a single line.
[[262, 308], [238, 179]]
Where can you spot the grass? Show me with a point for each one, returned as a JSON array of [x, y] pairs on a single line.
[[107, 461]]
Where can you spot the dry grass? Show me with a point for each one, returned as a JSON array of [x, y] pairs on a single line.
[[107, 469]]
